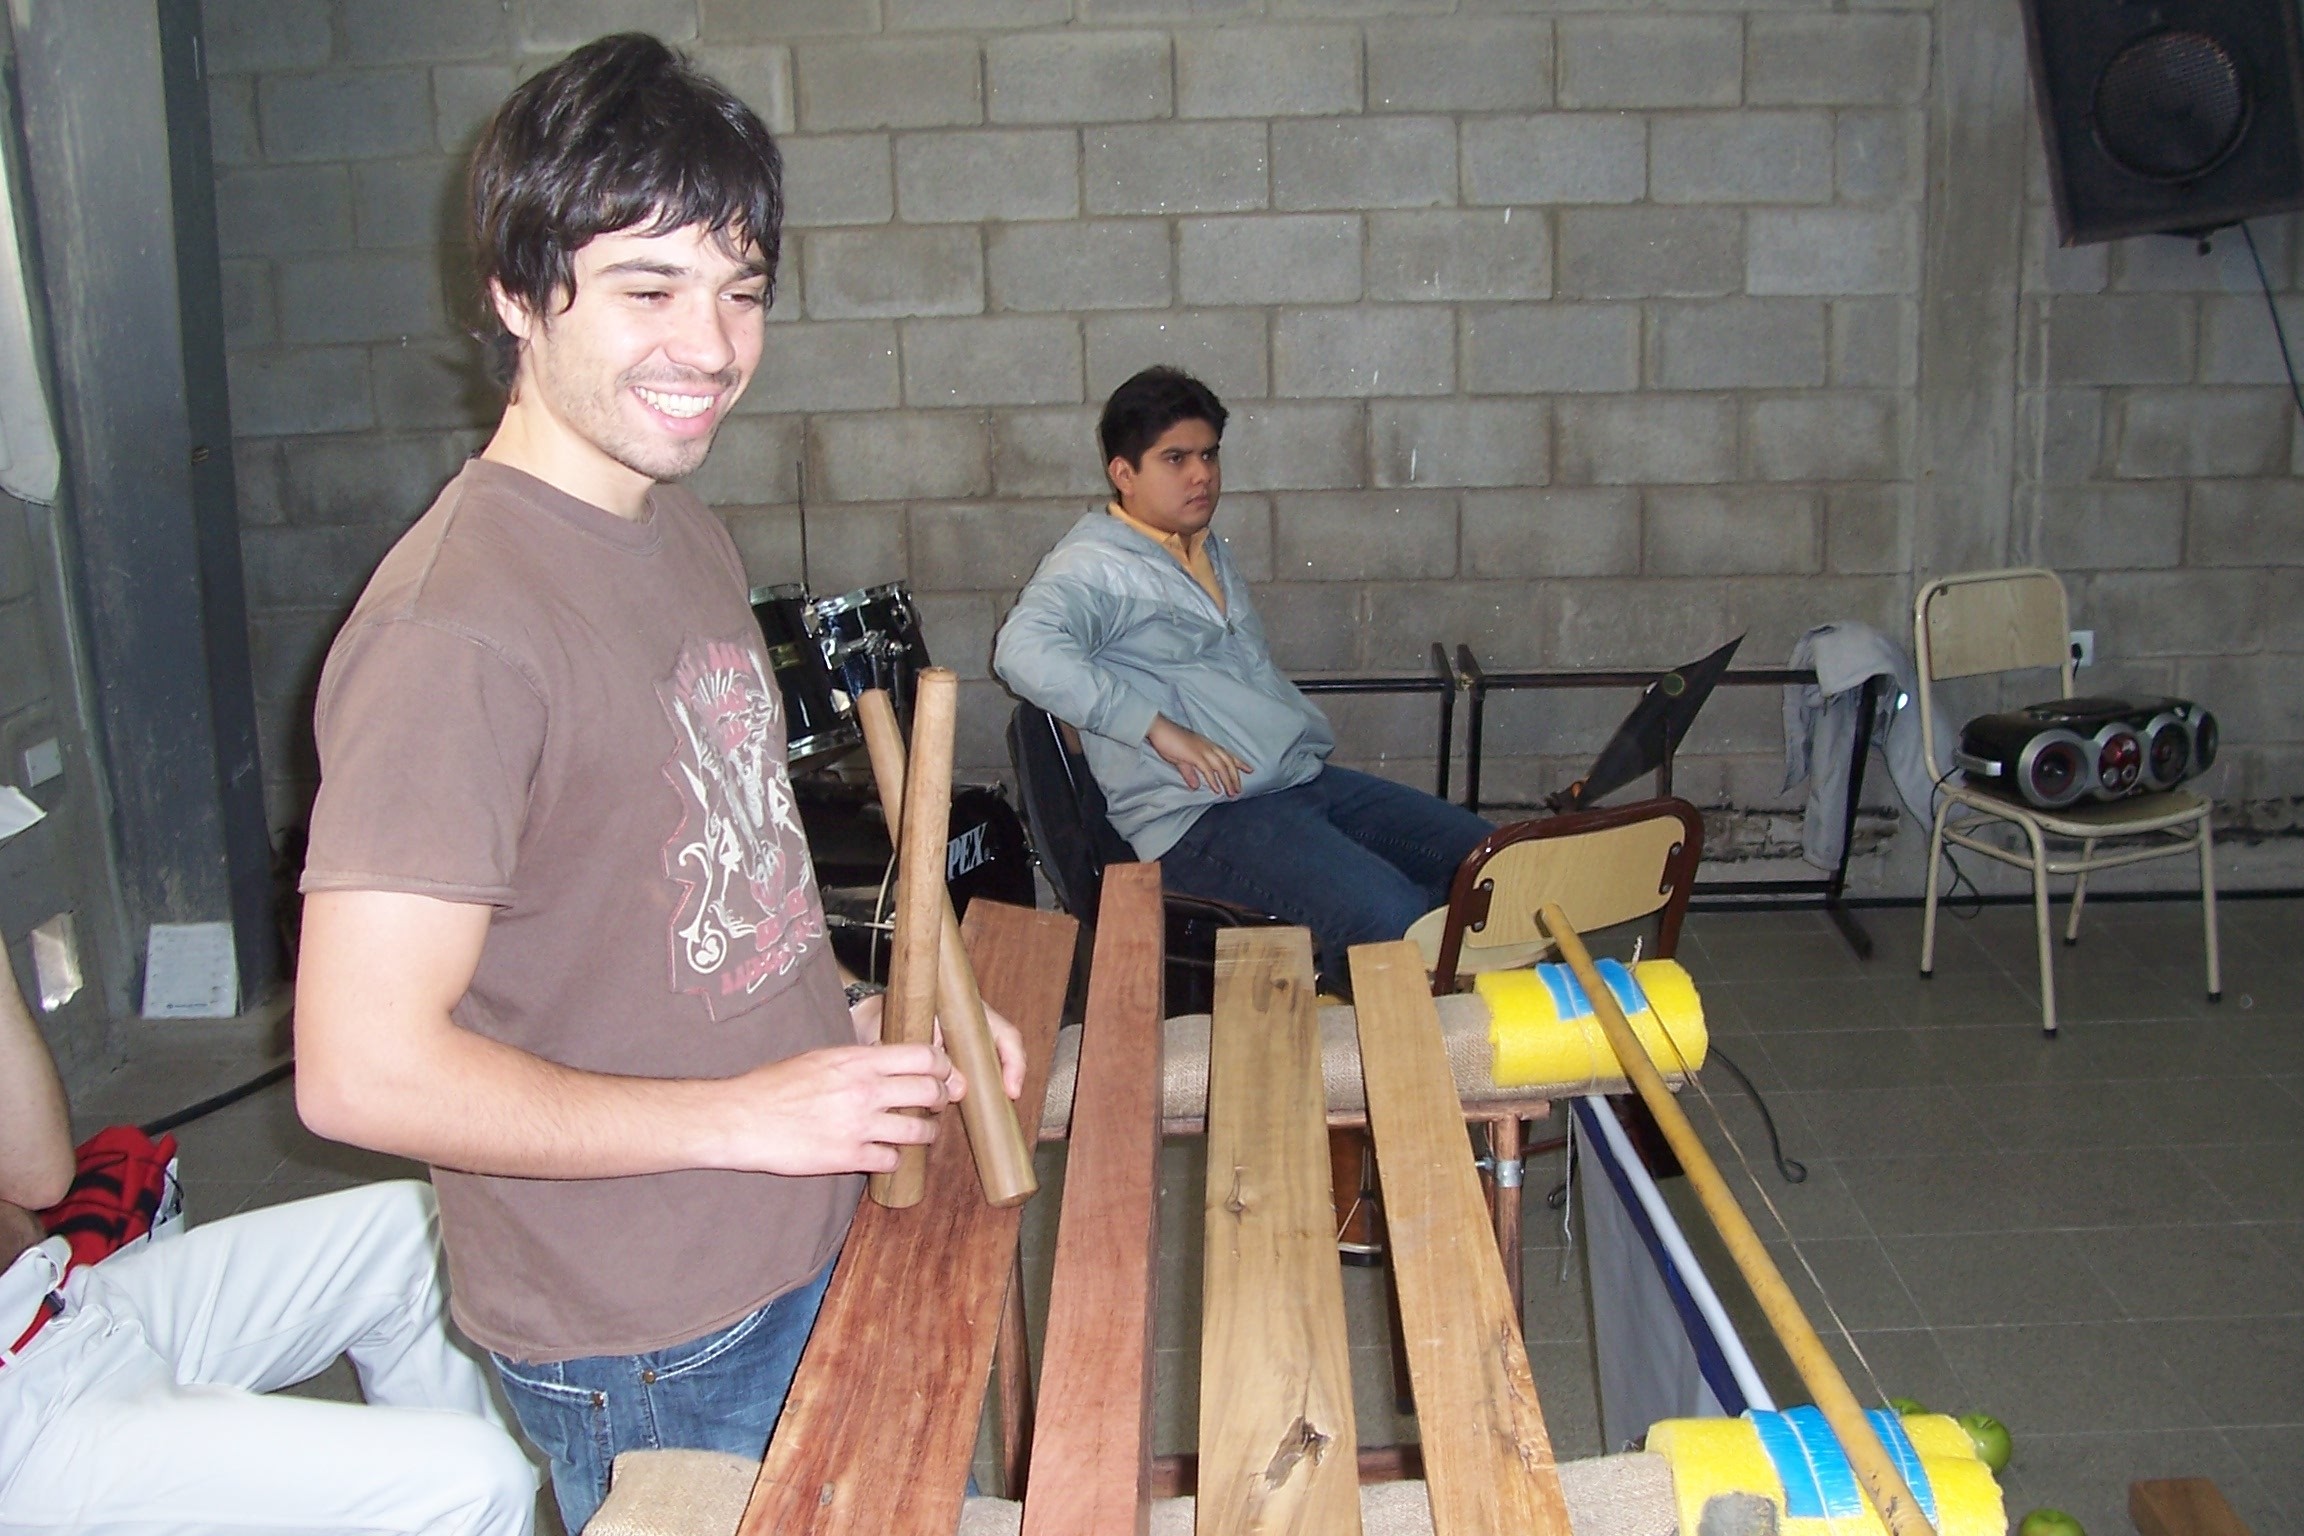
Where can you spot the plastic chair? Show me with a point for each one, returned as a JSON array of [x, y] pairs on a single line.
[[2016, 620]]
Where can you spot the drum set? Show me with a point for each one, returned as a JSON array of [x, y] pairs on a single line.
[[825, 653]]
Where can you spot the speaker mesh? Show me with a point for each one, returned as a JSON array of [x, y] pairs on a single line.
[[2170, 106]]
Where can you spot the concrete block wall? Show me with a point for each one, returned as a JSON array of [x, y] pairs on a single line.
[[1583, 334]]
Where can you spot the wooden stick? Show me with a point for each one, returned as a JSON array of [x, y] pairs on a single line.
[[1487, 1457], [1276, 1426], [909, 1015], [1092, 1452], [882, 1420], [1899, 1511], [2182, 1506], [1003, 1160]]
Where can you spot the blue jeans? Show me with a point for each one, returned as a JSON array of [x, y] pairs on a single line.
[[1352, 857], [722, 1392]]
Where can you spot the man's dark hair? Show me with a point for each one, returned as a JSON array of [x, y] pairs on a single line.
[[1148, 405], [622, 134]]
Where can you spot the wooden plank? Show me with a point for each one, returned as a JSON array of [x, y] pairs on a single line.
[[881, 1424], [1092, 1453], [1276, 1431], [1487, 1458], [2182, 1506]]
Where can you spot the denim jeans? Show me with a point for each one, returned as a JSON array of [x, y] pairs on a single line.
[[1352, 857], [722, 1392]]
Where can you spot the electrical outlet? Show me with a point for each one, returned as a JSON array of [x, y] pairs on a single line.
[[43, 760], [2083, 647]]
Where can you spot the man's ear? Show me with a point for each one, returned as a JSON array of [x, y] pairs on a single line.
[[1122, 474], [510, 312]]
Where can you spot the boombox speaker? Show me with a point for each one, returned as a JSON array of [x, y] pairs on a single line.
[[2167, 116]]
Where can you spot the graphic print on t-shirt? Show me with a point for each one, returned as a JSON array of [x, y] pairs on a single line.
[[748, 911]]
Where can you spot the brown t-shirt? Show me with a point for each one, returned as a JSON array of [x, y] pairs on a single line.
[[567, 716]]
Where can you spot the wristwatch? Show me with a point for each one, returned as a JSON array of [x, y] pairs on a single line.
[[857, 991]]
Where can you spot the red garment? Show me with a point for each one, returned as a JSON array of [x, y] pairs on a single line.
[[122, 1178]]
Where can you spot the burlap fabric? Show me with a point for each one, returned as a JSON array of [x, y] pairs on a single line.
[[703, 1493], [1184, 1088]]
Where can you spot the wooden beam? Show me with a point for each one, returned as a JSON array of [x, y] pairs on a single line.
[[881, 1424], [1487, 1458], [1092, 1452], [2182, 1506], [1277, 1438]]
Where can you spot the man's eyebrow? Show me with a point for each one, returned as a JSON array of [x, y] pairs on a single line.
[[647, 266]]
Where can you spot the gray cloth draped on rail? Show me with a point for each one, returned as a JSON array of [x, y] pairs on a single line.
[[1820, 728]]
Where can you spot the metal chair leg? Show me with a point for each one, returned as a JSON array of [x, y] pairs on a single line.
[[2208, 905], [1935, 863], [2043, 923], [2079, 891]]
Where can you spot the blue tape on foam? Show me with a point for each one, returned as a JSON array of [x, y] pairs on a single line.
[[1568, 999], [1818, 1482]]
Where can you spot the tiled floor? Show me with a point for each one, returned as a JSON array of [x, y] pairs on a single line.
[[2099, 1239]]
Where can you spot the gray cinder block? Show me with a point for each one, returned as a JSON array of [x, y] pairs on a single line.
[[1176, 168], [1626, 253], [1537, 349], [841, 178], [420, 31], [1364, 162], [359, 115], [1878, 157], [1741, 157], [755, 461], [860, 274], [1501, 65], [897, 456], [1364, 350], [371, 296], [263, 34], [299, 389], [2183, 432], [1650, 61], [2093, 527], [1556, 157], [1285, 446], [439, 384], [279, 210], [1304, 258], [1733, 531], [1647, 439], [984, 546], [1078, 77], [1049, 452], [837, 366], [1254, 71], [463, 97], [1875, 342], [1029, 173], [1489, 253], [763, 21], [1740, 343], [1364, 535], [1104, 264], [888, 83], [1832, 251], [2233, 522], [1868, 529], [1551, 533], [1459, 442], [1224, 347], [2113, 339], [759, 73], [1841, 436], [385, 481], [995, 360], [551, 26], [1835, 60]]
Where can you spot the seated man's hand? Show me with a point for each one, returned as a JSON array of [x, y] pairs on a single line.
[[1203, 764]]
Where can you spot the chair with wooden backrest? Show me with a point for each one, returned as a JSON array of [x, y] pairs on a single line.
[[2018, 620], [1603, 867]]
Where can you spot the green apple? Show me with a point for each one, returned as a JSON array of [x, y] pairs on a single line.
[[2049, 1522], [1990, 1437], [1906, 1407]]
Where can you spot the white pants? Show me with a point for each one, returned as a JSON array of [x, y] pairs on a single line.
[[140, 1410]]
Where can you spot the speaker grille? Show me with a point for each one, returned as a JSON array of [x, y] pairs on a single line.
[[2170, 107]]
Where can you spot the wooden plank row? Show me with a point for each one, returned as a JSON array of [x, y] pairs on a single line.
[[1092, 1458], [881, 1423], [1277, 1437], [1487, 1457]]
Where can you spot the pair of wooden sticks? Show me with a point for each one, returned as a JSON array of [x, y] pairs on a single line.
[[929, 977]]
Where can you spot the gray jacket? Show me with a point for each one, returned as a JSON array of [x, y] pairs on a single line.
[[1111, 631], [1820, 729]]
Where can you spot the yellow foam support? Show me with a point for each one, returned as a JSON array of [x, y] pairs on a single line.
[[1531, 1042], [1711, 1457]]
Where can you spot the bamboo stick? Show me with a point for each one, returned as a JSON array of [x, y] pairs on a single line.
[[1883, 1484], [1003, 1160], [909, 1014]]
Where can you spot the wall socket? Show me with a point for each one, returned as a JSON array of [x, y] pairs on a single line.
[[43, 760], [2083, 647]]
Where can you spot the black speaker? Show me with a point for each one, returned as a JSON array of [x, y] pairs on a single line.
[[2167, 116]]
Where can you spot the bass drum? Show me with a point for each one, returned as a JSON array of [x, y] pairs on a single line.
[[871, 639], [815, 721], [985, 854]]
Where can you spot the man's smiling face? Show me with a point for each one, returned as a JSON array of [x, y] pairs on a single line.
[[625, 386]]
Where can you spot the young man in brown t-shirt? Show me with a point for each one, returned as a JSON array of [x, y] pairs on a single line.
[[562, 939]]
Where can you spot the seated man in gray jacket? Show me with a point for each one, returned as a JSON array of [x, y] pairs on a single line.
[[1137, 629]]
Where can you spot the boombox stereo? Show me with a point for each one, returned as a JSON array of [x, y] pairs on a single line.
[[2054, 754]]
